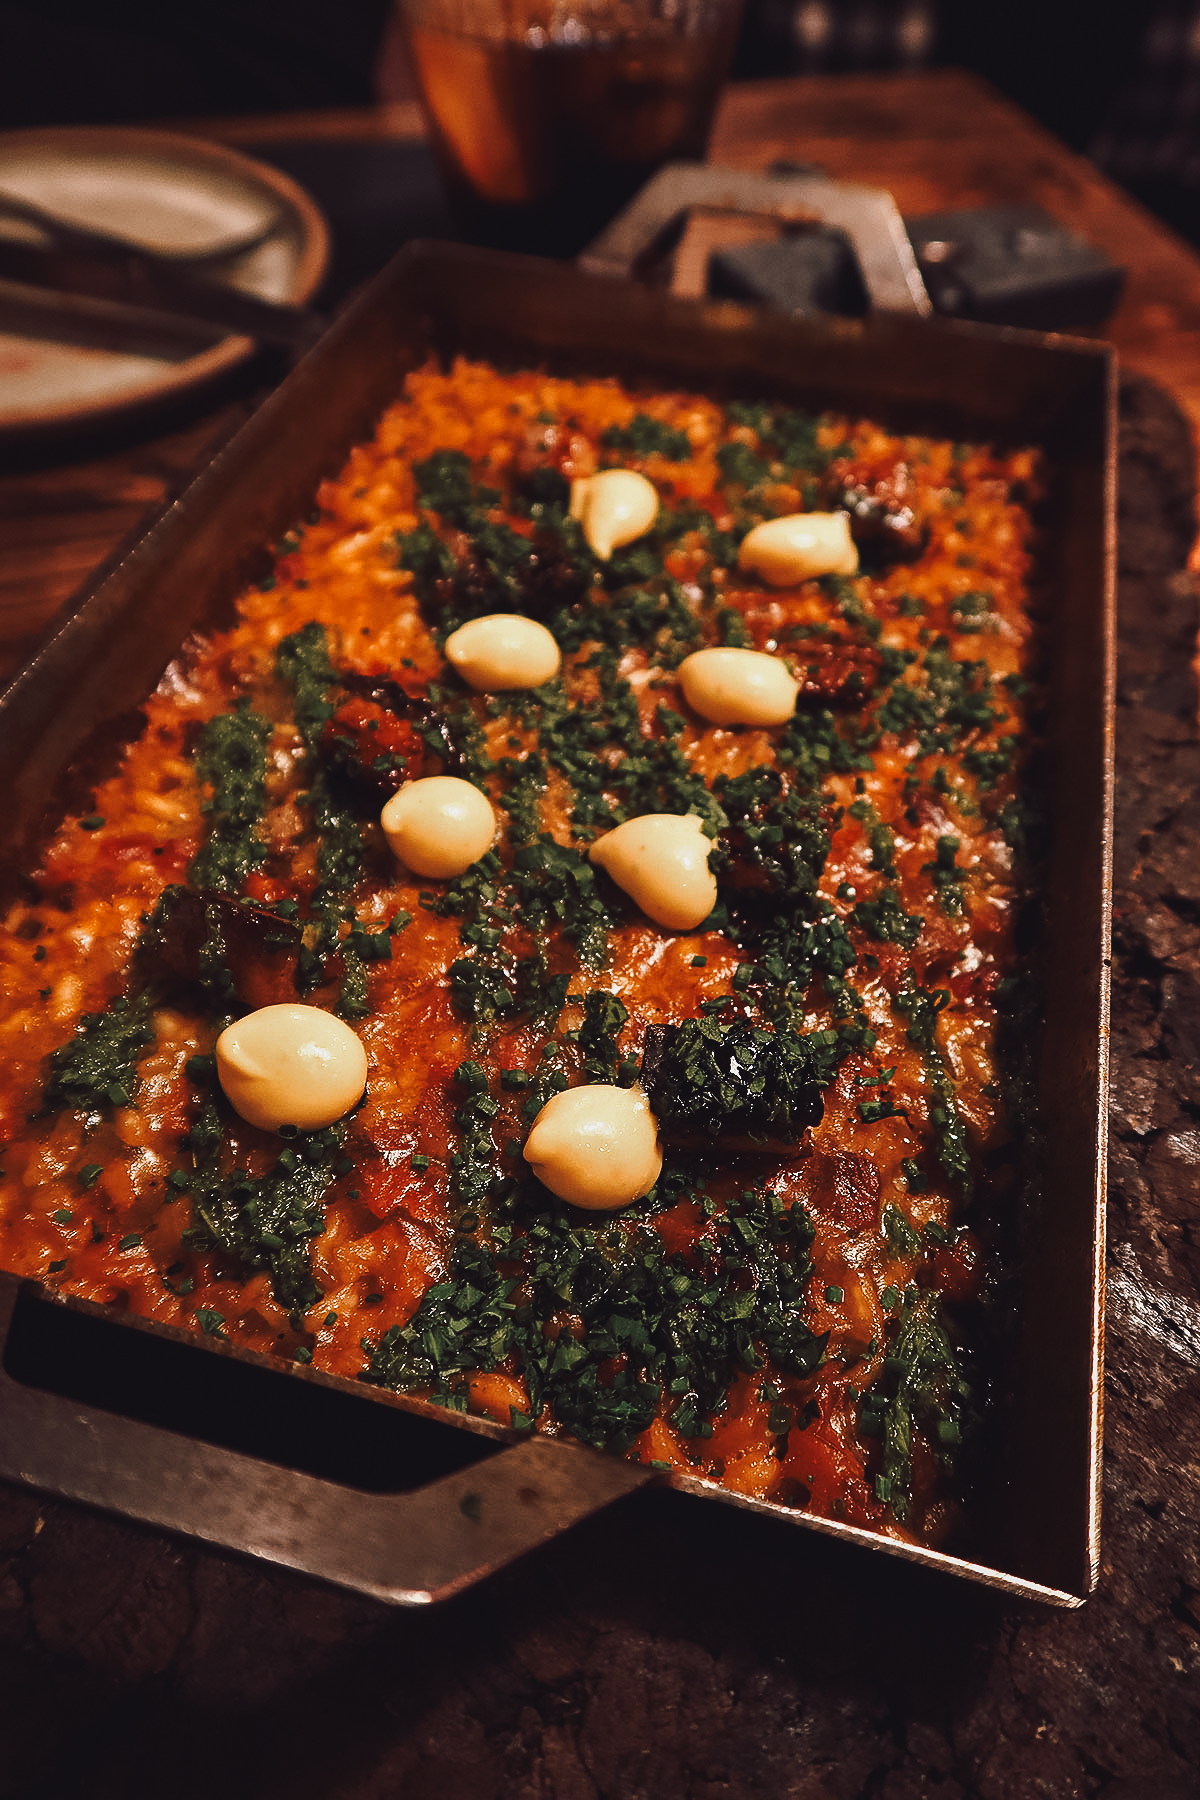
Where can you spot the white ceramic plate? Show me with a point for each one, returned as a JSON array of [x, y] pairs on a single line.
[[166, 193]]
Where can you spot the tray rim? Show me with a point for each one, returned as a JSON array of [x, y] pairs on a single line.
[[728, 315]]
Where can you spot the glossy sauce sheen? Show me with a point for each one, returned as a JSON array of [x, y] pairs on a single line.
[[96, 1198]]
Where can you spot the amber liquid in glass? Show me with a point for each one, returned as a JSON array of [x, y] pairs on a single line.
[[542, 143]]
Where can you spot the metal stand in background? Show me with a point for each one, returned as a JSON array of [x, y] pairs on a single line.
[[655, 220]]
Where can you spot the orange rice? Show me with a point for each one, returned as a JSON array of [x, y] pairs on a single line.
[[87, 1204]]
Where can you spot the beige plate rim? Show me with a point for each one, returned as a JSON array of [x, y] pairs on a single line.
[[195, 371]]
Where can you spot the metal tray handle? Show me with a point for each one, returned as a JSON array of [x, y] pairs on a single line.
[[408, 1549]]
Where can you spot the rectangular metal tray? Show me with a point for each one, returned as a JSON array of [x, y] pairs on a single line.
[[62, 716]]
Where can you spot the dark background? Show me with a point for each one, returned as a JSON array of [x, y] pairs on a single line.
[[1121, 83]]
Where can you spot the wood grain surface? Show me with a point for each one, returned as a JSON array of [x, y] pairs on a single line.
[[64, 520]]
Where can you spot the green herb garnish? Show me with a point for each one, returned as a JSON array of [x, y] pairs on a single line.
[[709, 1080], [921, 1383], [644, 436], [232, 760], [97, 1069]]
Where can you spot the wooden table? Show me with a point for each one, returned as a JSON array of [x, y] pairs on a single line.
[[676, 1657]]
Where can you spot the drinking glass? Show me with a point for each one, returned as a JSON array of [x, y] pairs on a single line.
[[548, 115]]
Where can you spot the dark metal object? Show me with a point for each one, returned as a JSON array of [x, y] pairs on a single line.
[[82, 691], [868, 216], [1000, 265], [134, 280], [1014, 265], [812, 272]]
